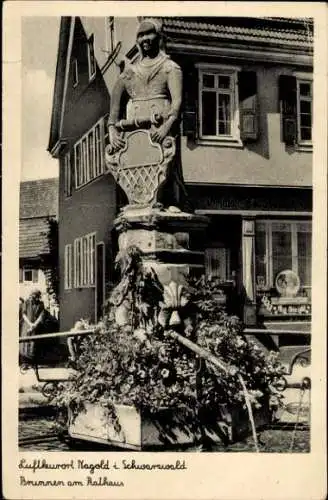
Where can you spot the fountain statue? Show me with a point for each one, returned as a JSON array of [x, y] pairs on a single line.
[[144, 158], [152, 334], [142, 153]]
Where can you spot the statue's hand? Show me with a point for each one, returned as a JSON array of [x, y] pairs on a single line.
[[116, 138], [159, 134]]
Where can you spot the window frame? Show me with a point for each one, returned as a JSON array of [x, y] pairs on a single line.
[[270, 278], [301, 79], [68, 267], [223, 70], [85, 168], [33, 270], [84, 261], [92, 65]]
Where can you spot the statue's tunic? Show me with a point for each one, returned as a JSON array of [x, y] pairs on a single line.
[[151, 88], [148, 87]]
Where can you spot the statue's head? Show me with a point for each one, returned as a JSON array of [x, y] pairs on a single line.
[[149, 37]]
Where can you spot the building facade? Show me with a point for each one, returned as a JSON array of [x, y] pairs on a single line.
[[38, 204], [246, 151]]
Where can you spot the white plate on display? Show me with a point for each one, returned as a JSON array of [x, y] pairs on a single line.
[[287, 283]]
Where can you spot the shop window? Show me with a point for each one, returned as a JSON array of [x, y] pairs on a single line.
[[217, 263], [281, 246]]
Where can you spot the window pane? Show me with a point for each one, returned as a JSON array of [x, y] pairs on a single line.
[[84, 161], [281, 251], [306, 133], [260, 259], [208, 113], [305, 89], [78, 164], [216, 263], [224, 114], [305, 120], [28, 275], [224, 82], [209, 81], [90, 153], [305, 107], [98, 147], [304, 250]]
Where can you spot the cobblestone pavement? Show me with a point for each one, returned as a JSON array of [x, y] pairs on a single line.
[[270, 441]]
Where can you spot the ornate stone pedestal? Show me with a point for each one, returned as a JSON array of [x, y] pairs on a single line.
[[163, 236]]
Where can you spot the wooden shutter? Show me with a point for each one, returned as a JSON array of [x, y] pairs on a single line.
[[20, 274], [35, 275], [190, 103], [288, 108], [248, 105]]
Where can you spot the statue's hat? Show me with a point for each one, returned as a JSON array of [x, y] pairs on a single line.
[[149, 24]]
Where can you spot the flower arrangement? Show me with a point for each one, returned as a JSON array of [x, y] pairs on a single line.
[[138, 363]]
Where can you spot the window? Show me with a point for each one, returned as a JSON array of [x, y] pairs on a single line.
[[218, 104], [89, 155], [68, 175], [295, 94], [28, 275], [282, 245], [304, 111], [68, 267], [91, 57], [217, 263], [75, 72], [84, 261]]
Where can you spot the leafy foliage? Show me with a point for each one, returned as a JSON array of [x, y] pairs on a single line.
[[123, 364]]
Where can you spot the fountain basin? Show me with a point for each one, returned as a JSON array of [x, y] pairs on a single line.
[[165, 429]]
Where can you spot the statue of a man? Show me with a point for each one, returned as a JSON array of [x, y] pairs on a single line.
[[153, 83]]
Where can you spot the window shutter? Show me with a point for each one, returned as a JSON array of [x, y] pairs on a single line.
[[20, 274], [190, 102], [248, 105], [288, 108], [35, 275]]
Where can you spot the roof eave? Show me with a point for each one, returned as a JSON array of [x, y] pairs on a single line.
[[64, 32]]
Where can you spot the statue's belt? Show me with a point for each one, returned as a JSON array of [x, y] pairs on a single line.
[[142, 122], [149, 98]]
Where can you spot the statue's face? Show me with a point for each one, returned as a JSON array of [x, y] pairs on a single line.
[[148, 40]]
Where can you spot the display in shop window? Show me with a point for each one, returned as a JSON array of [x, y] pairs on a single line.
[[286, 298], [287, 283]]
